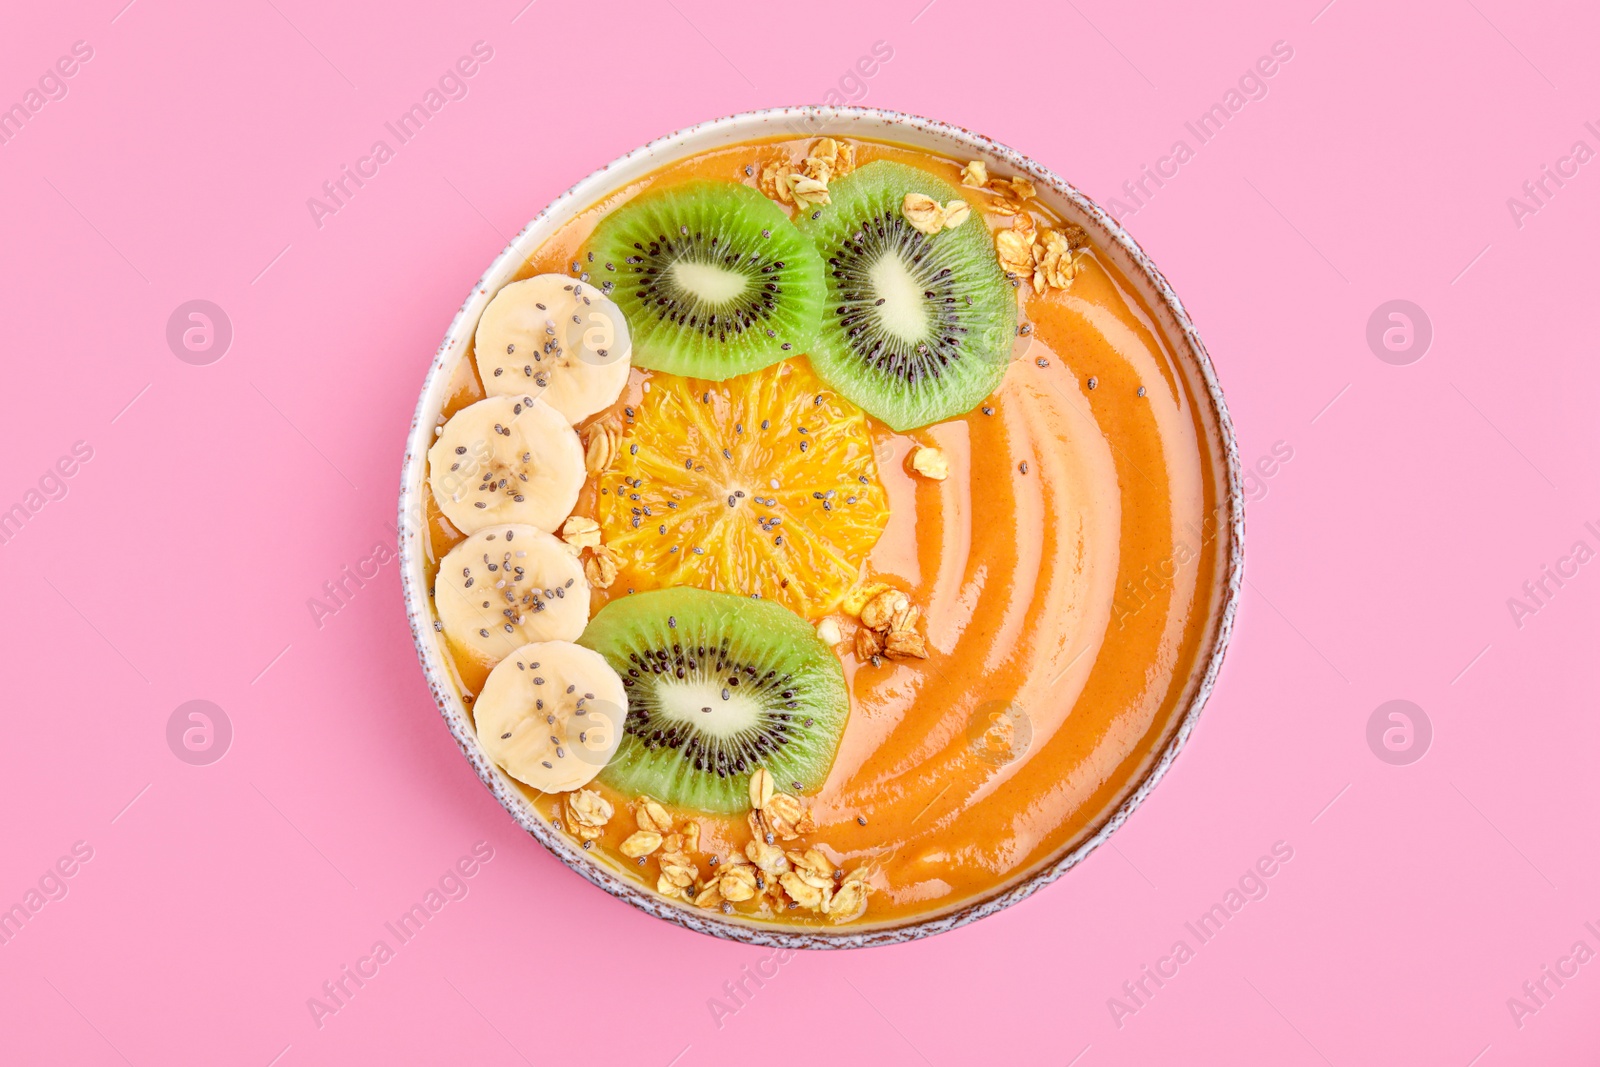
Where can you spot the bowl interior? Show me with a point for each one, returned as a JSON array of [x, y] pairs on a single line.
[[1189, 356]]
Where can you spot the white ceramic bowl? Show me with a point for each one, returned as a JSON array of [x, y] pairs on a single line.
[[873, 124]]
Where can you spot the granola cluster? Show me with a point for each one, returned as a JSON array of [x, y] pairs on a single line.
[[888, 627], [601, 442], [1011, 195], [929, 216], [807, 183], [580, 533], [1048, 257], [764, 873], [672, 848], [587, 814], [785, 878]]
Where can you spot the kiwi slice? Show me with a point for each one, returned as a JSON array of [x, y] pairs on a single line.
[[712, 276], [915, 328], [718, 685]]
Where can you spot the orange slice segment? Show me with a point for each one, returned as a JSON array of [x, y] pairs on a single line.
[[762, 484]]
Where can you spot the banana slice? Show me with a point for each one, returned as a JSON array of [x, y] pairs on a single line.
[[507, 585], [506, 459], [551, 715], [556, 338]]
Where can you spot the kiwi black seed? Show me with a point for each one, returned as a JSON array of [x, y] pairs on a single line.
[[713, 278], [718, 685], [916, 328]]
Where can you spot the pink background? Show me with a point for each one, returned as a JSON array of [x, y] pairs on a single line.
[[220, 498]]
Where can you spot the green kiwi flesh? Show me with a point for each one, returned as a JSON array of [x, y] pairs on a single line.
[[915, 328], [712, 277], [718, 685]]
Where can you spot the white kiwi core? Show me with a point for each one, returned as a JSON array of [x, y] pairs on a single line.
[[708, 283], [687, 701], [903, 313]]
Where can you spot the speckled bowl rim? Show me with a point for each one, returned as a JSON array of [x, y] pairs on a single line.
[[811, 121]]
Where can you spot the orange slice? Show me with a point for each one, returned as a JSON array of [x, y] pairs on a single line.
[[762, 484]]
